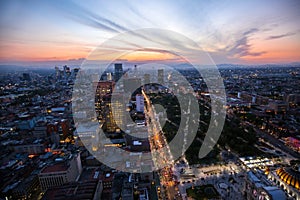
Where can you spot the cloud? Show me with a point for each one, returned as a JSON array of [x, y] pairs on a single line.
[[78, 59], [83, 16], [251, 31], [136, 12], [121, 60], [242, 47], [86, 17], [280, 36]]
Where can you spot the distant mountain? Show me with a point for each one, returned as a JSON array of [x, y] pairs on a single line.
[[16, 68], [238, 66], [11, 68]]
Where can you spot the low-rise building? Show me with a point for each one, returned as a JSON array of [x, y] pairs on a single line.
[[29, 148], [76, 190], [259, 187], [60, 172], [288, 179]]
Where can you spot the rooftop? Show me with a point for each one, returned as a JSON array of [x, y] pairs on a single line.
[[58, 167], [79, 190], [276, 193]]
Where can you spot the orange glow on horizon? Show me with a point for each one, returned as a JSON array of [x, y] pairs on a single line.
[[34, 53], [147, 56], [135, 56], [276, 57], [274, 52]]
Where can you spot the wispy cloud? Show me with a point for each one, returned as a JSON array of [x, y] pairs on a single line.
[[86, 17], [251, 31], [280, 36], [242, 47], [136, 12], [52, 28]]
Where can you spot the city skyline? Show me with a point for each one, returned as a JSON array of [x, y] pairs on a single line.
[[251, 32], [146, 144], [150, 100]]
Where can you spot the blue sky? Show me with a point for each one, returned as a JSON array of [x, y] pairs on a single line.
[[231, 31]]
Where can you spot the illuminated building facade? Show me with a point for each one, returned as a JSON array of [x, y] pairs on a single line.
[[114, 114], [288, 179], [104, 89], [103, 106], [260, 188]]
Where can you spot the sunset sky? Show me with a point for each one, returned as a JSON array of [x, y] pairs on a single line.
[[245, 32]]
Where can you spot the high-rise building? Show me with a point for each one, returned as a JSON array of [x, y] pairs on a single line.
[[95, 79], [75, 71], [67, 71], [112, 119], [146, 78], [146, 82], [104, 106], [113, 113], [118, 115], [139, 103], [108, 76], [118, 71], [26, 77], [57, 72], [160, 76], [103, 89], [132, 84]]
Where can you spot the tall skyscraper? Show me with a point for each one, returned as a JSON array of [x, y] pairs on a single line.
[[146, 82], [160, 76], [146, 78], [104, 106], [67, 71], [103, 89], [95, 79], [57, 72], [139, 103], [118, 114], [111, 119], [118, 71]]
